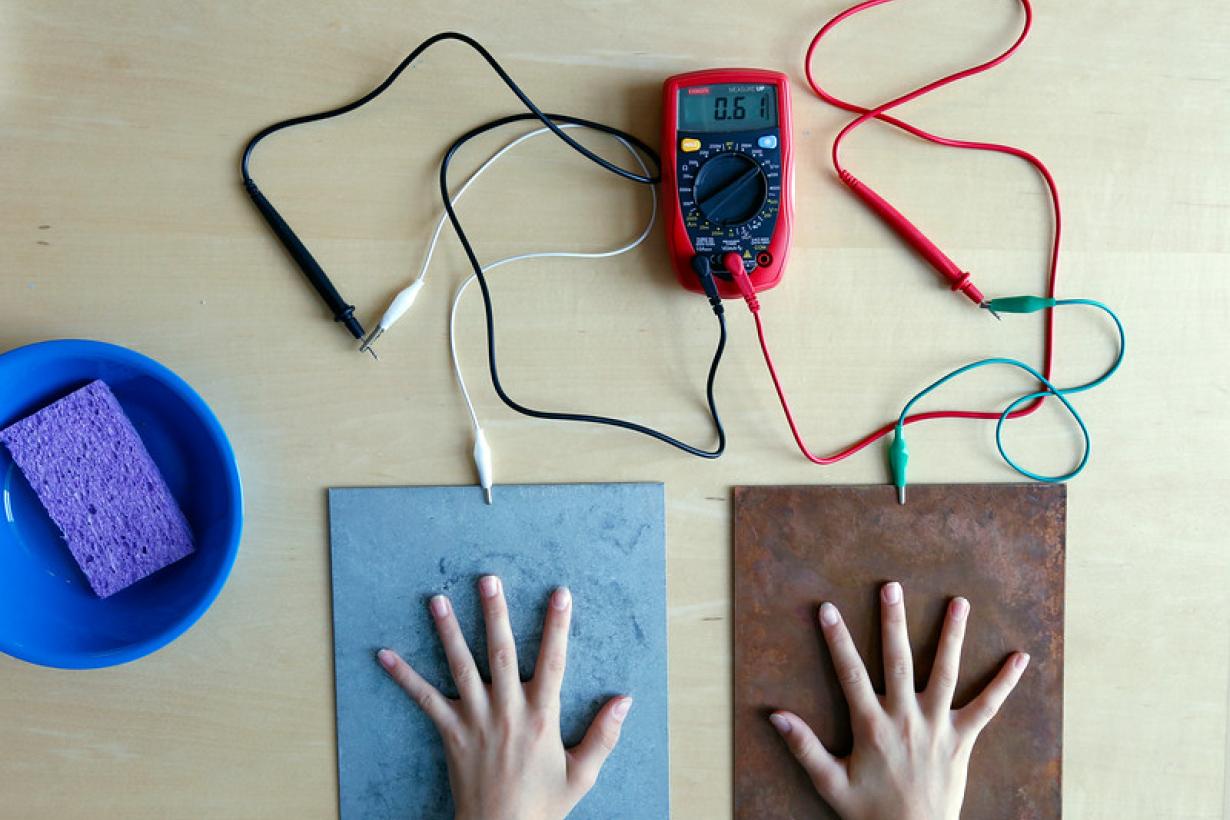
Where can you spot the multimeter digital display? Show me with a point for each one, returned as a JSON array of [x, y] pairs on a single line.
[[728, 106], [727, 177]]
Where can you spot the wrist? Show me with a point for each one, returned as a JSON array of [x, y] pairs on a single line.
[[500, 813], [462, 814]]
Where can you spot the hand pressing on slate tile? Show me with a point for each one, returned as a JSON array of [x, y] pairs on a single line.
[[506, 759], [911, 750]]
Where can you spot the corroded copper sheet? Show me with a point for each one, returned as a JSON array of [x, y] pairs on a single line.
[[999, 545]]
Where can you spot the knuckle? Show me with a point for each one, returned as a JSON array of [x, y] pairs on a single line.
[[850, 674], [824, 782], [555, 662], [507, 726], [878, 734], [454, 738], [882, 737], [946, 677], [807, 750], [463, 674], [864, 726], [982, 713], [540, 723], [427, 700], [916, 732], [502, 658], [900, 668], [824, 779]]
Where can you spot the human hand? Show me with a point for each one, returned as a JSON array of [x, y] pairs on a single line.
[[911, 750], [506, 759]]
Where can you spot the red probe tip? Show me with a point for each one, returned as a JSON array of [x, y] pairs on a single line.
[[965, 285]]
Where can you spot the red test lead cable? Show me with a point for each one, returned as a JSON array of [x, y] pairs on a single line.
[[960, 280]]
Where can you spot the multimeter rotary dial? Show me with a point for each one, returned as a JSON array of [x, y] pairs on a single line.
[[730, 189]]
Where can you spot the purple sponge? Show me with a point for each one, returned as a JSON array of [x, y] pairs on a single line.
[[95, 478]]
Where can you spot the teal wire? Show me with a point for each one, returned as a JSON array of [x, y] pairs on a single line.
[[1122, 342], [1060, 393]]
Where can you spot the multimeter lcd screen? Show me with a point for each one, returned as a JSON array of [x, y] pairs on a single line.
[[727, 107]]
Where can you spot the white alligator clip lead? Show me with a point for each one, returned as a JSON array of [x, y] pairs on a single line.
[[402, 302], [397, 308], [482, 461]]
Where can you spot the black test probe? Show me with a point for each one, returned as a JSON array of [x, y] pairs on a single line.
[[344, 312]]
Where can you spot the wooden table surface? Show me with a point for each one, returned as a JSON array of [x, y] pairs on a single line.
[[122, 218]]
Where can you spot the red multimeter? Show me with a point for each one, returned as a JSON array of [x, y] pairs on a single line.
[[727, 173]]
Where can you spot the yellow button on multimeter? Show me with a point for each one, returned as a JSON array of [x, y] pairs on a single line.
[[689, 144]]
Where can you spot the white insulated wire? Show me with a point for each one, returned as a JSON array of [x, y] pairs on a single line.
[[452, 321], [482, 451]]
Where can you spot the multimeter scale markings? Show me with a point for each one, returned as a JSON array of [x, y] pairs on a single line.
[[730, 191]]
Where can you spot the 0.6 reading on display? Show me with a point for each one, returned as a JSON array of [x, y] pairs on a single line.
[[727, 107]]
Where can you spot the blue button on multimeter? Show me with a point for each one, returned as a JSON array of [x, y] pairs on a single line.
[[768, 141]]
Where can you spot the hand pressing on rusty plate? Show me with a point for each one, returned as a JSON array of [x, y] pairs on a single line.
[[911, 749]]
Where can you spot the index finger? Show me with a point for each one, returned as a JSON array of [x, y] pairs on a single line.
[[460, 662], [850, 669], [553, 652], [947, 665]]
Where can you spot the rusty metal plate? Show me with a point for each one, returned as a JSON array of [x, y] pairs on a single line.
[[999, 545]]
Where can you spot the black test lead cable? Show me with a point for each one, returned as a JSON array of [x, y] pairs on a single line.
[[702, 269], [344, 312]]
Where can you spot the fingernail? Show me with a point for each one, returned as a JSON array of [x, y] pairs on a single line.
[[386, 658], [1022, 660], [439, 606], [620, 710], [488, 585], [780, 724], [561, 598], [828, 614], [959, 608], [891, 592]]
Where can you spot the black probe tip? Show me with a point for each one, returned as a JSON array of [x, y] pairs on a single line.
[[352, 324]]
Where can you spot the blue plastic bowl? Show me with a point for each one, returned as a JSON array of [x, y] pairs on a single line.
[[48, 613]]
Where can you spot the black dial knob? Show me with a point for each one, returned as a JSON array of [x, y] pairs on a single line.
[[730, 189]]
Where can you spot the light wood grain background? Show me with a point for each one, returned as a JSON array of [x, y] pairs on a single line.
[[120, 127]]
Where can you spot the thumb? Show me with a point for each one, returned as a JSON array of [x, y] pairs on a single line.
[[586, 758], [828, 774]]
